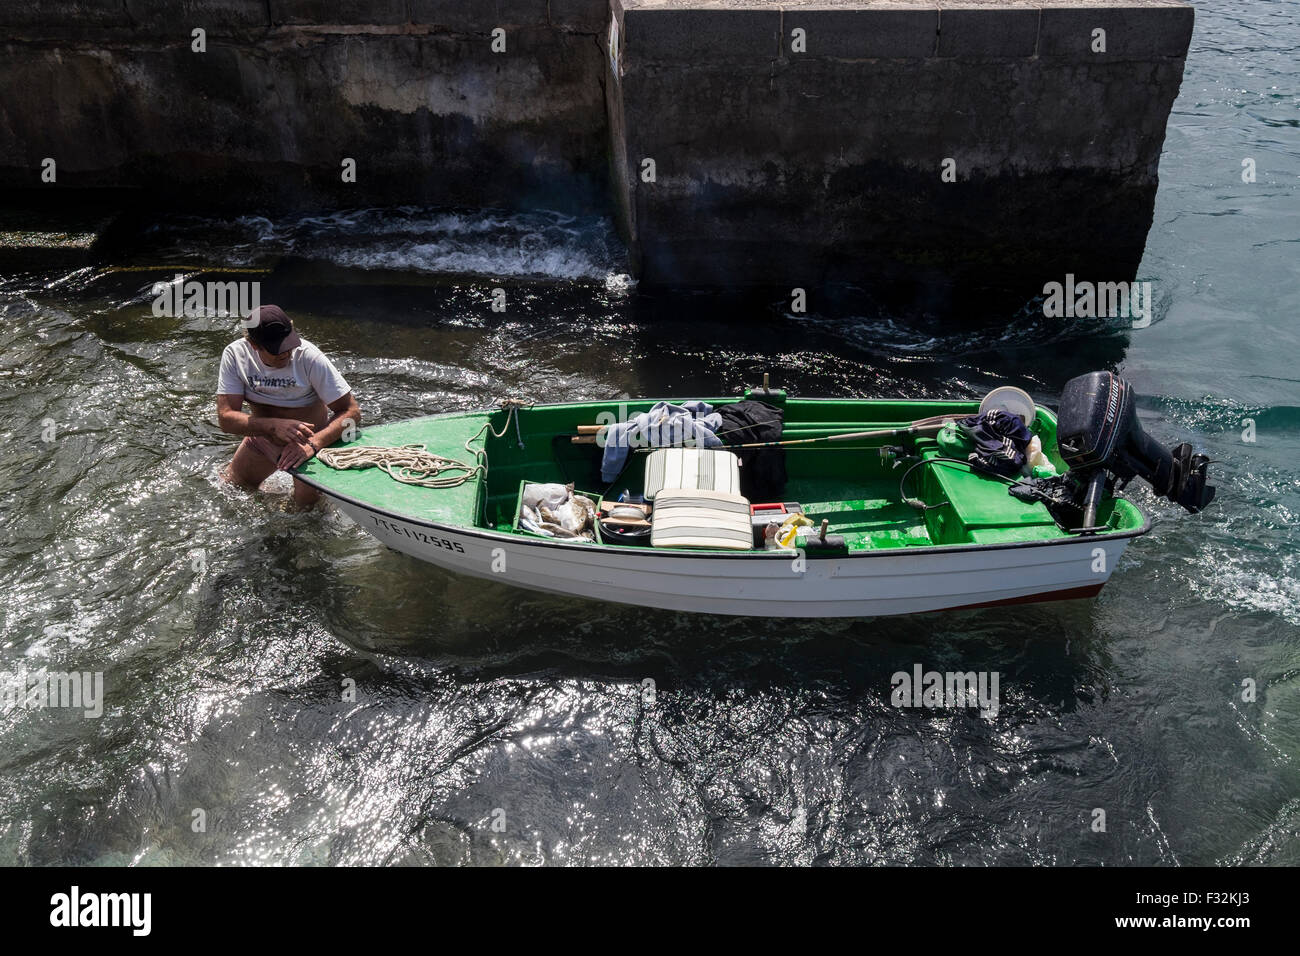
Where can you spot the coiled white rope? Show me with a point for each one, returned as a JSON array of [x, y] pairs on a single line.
[[414, 464], [410, 464]]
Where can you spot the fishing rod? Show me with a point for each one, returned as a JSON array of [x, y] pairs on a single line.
[[921, 428], [1009, 397]]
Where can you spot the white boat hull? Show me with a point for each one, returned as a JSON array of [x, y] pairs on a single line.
[[762, 584]]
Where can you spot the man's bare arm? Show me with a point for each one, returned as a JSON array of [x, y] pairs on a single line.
[[233, 420], [345, 410]]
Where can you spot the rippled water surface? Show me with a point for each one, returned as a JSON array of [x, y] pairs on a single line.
[[499, 726]]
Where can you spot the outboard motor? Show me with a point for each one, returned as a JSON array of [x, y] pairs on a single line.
[[1098, 434]]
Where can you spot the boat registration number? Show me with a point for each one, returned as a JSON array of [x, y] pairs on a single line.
[[419, 535]]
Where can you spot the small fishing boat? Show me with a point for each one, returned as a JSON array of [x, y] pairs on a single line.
[[893, 521]]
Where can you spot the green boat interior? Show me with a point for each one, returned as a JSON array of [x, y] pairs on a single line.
[[849, 484]]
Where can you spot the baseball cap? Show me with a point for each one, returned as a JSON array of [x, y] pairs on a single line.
[[270, 328]]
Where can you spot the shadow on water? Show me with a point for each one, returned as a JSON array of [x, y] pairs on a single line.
[[393, 605]]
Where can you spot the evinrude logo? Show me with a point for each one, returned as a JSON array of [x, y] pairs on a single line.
[[950, 690], [1112, 407], [75, 909]]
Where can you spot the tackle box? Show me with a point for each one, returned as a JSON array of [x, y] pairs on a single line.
[[761, 514]]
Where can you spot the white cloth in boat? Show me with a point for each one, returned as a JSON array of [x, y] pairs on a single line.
[[665, 425], [709, 469], [697, 518]]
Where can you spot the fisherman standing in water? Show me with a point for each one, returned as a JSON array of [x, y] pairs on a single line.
[[291, 388]]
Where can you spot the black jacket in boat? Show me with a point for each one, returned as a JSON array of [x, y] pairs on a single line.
[[762, 470]]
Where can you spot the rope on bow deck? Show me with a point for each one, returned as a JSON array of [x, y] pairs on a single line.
[[414, 464], [410, 464]]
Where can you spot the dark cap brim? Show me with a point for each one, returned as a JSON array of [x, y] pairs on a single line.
[[289, 343]]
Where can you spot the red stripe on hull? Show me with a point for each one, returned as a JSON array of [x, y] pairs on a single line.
[[1069, 594]]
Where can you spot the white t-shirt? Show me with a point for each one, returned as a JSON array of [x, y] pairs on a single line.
[[308, 376]]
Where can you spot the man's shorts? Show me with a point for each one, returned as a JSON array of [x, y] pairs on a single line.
[[264, 447]]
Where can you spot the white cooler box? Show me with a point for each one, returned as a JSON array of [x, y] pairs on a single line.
[[701, 469]]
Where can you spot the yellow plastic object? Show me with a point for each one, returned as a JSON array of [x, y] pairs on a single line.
[[789, 530]]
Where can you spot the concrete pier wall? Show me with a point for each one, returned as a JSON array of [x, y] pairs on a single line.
[[981, 143], [793, 166], [287, 89]]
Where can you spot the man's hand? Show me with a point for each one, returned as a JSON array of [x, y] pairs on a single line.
[[287, 431], [294, 454]]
